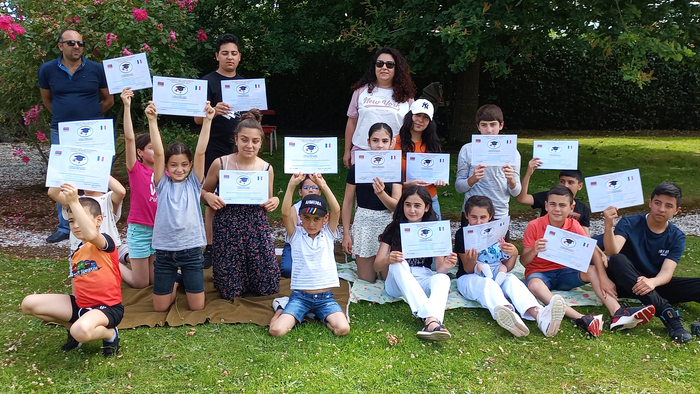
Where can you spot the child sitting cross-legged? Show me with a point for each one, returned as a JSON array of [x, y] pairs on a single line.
[[95, 309], [482, 276], [314, 270]]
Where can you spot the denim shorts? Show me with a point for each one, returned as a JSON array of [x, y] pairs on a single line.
[[322, 304], [562, 279], [139, 237], [190, 262]]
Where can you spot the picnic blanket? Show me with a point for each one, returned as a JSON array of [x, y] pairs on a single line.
[[138, 306]]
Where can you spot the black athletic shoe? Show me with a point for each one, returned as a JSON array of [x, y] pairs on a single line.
[[110, 349], [695, 328], [592, 324], [674, 325], [207, 257], [58, 236], [71, 343], [626, 317]]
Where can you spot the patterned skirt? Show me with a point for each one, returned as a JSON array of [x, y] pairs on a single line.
[[366, 228], [243, 256]]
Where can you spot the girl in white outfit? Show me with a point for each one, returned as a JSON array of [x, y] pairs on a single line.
[[424, 290]]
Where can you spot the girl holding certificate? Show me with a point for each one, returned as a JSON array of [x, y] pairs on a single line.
[[419, 134], [424, 290], [375, 202], [243, 256]]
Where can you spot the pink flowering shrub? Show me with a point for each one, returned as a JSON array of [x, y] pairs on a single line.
[[140, 14], [8, 25], [201, 36]]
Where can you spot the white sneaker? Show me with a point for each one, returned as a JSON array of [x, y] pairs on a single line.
[[508, 319], [278, 303], [549, 318], [486, 271], [500, 278]]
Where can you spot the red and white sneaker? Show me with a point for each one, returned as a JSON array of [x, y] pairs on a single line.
[[592, 324], [626, 318]]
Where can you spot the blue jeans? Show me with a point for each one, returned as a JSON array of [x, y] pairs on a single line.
[[286, 266], [190, 262], [560, 279], [436, 207], [63, 226]]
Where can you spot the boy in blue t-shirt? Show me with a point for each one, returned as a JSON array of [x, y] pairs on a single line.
[[645, 250]]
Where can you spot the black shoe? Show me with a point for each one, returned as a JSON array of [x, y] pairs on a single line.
[[207, 257], [626, 317], [695, 328], [110, 349], [674, 325], [58, 236], [71, 343]]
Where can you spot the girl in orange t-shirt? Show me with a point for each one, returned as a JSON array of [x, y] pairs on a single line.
[[419, 134]]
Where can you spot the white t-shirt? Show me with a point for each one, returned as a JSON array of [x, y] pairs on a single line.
[[313, 260], [109, 220], [375, 107]]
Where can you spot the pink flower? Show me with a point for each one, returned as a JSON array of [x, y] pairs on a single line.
[[40, 136], [76, 20], [31, 115], [159, 26], [5, 22], [172, 35], [99, 2], [25, 159], [18, 29], [146, 47], [201, 36], [110, 37], [126, 52], [140, 14], [17, 152]]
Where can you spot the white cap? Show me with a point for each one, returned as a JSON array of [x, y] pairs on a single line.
[[423, 106]]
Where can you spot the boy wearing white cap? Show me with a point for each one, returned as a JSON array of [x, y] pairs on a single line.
[[419, 134]]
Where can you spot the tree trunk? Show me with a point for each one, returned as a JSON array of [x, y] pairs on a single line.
[[466, 94]]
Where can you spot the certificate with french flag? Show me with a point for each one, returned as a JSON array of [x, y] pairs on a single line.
[[427, 167], [311, 155], [619, 189], [494, 150], [556, 155], [93, 134], [568, 249], [180, 96], [244, 94], [481, 236], [426, 239], [382, 164], [244, 187], [84, 168], [127, 71]]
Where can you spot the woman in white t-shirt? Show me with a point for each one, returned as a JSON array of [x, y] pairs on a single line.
[[383, 95]]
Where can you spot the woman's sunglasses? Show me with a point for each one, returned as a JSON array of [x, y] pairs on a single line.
[[380, 63]]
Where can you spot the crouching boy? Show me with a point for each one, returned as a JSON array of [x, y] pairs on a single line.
[[95, 310], [314, 270]]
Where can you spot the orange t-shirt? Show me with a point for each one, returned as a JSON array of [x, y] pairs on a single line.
[[419, 148], [96, 275], [534, 231]]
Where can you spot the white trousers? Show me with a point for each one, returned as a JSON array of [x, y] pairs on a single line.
[[424, 290], [486, 292]]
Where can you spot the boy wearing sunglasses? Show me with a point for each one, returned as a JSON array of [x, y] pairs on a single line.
[[305, 188], [72, 88]]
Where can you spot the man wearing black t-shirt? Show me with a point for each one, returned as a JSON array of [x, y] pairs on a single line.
[[224, 123]]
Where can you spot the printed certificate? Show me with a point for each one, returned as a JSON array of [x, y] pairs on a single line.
[[180, 96], [127, 71], [568, 249], [556, 155], [93, 134], [426, 239], [382, 164], [84, 168], [427, 167], [311, 155], [244, 187], [620, 189], [481, 236], [244, 94], [494, 150]]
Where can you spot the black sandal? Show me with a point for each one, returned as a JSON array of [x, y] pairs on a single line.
[[438, 333]]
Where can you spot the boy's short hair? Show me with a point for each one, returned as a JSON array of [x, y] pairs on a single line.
[[488, 113], [668, 189], [225, 39], [561, 190], [479, 202], [90, 205], [572, 174]]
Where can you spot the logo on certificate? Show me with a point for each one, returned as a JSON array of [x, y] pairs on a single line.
[[425, 233], [242, 89], [85, 131], [243, 180], [487, 231], [179, 89], [613, 184], [494, 144], [378, 160], [427, 162], [78, 159], [568, 242], [555, 149], [310, 149], [125, 67]]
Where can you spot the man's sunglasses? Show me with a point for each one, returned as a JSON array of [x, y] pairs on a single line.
[[380, 63], [71, 43]]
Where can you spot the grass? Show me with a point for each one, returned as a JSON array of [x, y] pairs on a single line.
[[481, 357]]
